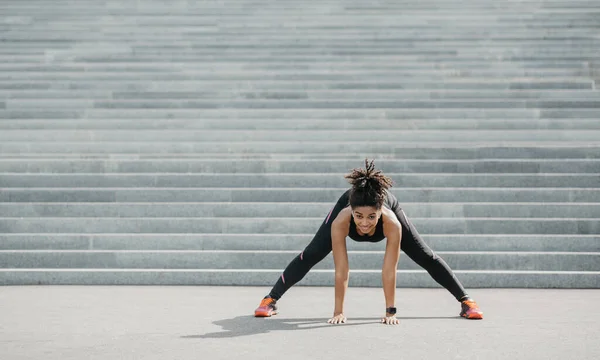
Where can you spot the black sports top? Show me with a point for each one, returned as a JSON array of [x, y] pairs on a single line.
[[390, 202], [376, 237]]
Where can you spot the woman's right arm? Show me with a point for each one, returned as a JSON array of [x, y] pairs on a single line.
[[340, 259]]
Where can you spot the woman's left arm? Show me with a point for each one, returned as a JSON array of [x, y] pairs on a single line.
[[393, 233]]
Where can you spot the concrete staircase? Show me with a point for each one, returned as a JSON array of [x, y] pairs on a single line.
[[153, 142]]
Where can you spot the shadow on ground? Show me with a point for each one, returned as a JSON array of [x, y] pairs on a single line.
[[249, 325]]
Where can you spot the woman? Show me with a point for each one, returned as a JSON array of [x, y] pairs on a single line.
[[367, 212]]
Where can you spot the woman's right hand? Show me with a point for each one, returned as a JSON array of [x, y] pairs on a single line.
[[337, 319]]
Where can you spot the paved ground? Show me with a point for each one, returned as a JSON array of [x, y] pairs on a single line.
[[76, 322]]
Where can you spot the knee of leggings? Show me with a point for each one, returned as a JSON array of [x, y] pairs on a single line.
[[429, 259]]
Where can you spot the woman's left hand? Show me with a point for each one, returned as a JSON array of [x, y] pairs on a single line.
[[390, 320]]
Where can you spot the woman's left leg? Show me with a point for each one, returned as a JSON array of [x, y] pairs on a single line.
[[415, 248]]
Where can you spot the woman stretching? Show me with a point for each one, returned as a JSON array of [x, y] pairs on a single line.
[[368, 212]]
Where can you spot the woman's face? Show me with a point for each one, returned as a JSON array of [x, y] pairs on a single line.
[[365, 218]]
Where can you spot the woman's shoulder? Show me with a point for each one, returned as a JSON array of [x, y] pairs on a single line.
[[343, 216], [341, 224], [389, 218]]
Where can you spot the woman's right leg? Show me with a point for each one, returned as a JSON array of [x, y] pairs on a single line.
[[319, 247], [317, 250]]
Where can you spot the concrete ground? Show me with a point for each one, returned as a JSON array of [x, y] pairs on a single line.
[[79, 322]]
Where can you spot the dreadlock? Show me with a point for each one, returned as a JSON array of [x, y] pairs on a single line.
[[368, 186]]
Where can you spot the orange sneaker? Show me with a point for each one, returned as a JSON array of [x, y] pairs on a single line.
[[470, 310], [266, 308]]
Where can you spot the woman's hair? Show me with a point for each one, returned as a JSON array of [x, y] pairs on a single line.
[[368, 186]]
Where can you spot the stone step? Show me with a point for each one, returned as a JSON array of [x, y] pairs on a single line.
[[289, 151], [301, 124], [148, 60], [569, 113], [350, 6], [44, 58], [152, 7], [299, 54], [203, 24], [549, 7], [334, 10], [564, 27], [265, 102], [317, 277], [417, 36], [323, 77], [451, 225], [276, 65], [228, 260], [439, 53], [203, 19], [122, 52], [342, 94], [403, 135], [332, 94], [80, 104], [356, 63], [449, 84], [552, 87], [469, 48], [57, 94], [283, 180], [166, 82], [331, 195], [53, 108], [27, 62], [290, 242], [472, 113], [443, 36], [460, 43], [262, 166], [375, 72], [292, 210]]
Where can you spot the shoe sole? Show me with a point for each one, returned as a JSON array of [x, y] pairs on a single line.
[[264, 313], [473, 316]]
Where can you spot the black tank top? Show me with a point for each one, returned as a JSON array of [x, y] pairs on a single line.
[[390, 202], [376, 237]]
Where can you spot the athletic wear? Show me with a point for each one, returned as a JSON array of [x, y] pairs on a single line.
[[376, 237], [266, 308], [470, 310], [411, 244]]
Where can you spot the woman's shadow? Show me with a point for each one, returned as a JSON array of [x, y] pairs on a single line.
[[249, 325]]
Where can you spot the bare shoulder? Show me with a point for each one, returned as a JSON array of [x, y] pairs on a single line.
[[341, 223], [390, 220], [343, 217]]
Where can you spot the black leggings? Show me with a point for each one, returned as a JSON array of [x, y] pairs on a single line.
[[411, 244]]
